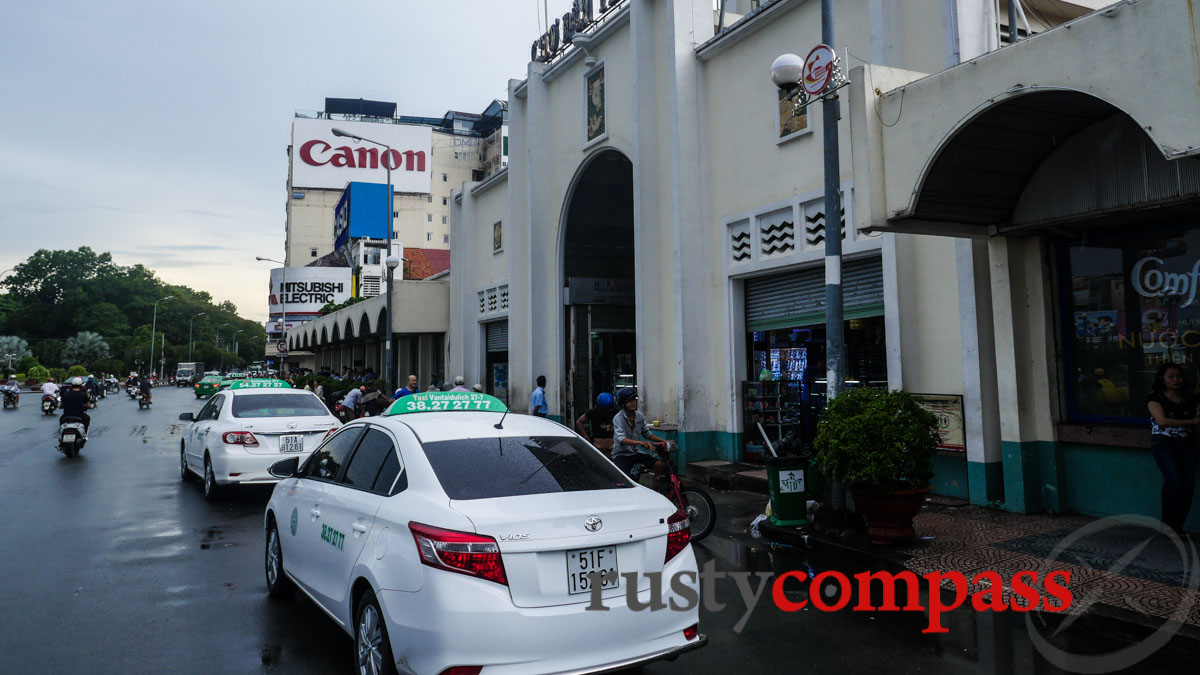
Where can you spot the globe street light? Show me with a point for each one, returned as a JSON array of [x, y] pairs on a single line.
[[392, 261], [282, 302], [190, 333], [153, 327]]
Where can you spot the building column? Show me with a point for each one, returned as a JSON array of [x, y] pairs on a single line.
[[981, 406]]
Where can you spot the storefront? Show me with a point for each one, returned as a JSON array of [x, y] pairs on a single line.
[[496, 361]]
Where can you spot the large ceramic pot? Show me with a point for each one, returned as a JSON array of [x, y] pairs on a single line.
[[889, 516]]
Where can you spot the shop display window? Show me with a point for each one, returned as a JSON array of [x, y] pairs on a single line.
[[1130, 303]]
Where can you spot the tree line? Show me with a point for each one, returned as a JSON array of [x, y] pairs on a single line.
[[62, 308]]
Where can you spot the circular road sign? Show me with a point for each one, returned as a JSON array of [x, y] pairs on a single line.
[[281, 346], [818, 69]]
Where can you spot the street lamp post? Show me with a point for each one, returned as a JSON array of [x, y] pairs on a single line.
[[153, 327], [391, 261], [220, 353], [162, 355], [282, 303], [234, 338], [190, 333]]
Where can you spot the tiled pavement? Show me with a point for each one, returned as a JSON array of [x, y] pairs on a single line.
[[1124, 566]]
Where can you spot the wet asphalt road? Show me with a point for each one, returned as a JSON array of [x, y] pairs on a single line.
[[111, 564]]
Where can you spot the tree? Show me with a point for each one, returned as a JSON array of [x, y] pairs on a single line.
[[48, 351], [27, 363], [84, 348], [110, 366], [76, 371], [11, 344], [104, 318]]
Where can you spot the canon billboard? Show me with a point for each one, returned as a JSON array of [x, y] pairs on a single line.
[[307, 290], [322, 160]]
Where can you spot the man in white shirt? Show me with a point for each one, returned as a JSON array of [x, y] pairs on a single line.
[[50, 389]]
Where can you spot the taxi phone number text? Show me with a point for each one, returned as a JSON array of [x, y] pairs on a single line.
[[449, 405]]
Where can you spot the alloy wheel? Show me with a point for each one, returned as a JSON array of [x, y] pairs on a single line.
[[273, 556], [370, 641]]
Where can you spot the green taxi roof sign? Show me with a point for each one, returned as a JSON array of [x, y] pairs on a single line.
[[447, 401], [260, 384]]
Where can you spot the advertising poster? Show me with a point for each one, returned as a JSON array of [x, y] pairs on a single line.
[[500, 381], [595, 104]]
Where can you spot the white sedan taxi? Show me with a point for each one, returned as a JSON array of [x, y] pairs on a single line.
[[241, 431], [448, 536]]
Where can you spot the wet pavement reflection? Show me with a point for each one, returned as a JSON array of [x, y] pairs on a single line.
[[111, 564]]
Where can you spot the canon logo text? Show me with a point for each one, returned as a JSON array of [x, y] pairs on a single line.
[[319, 153]]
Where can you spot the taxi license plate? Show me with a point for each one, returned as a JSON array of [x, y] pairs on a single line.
[[581, 562], [293, 443]]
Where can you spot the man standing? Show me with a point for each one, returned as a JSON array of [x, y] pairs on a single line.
[[458, 384], [537, 400], [410, 388]]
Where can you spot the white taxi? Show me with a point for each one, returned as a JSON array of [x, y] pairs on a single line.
[[447, 536], [241, 431]]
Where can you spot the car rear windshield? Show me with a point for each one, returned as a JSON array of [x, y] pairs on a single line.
[[483, 468], [278, 405]]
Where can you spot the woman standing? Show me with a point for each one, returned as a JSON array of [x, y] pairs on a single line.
[[1173, 411]]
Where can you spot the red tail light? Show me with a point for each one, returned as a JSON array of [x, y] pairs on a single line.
[[461, 552], [462, 670], [197, 386], [691, 632], [679, 533], [239, 438]]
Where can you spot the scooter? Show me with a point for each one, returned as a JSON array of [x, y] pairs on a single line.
[[143, 401], [71, 436], [49, 404], [131, 390], [10, 399]]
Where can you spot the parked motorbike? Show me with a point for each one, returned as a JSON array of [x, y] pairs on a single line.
[[71, 436], [143, 401], [10, 399], [49, 404]]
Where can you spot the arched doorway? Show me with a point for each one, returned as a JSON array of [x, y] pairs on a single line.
[[598, 274]]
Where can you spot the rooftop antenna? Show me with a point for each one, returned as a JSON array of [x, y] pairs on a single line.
[[500, 424]]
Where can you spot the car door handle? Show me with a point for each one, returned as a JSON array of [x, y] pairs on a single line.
[[316, 512], [359, 526]]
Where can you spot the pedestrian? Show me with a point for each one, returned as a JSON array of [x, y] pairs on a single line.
[[477, 388], [369, 376], [410, 388], [537, 400], [351, 402], [458, 384], [1173, 412]]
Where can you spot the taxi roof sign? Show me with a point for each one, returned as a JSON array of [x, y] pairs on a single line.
[[447, 401], [260, 384]]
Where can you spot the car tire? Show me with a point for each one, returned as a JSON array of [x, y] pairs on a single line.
[[185, 474], [372, 649], [278, 583], [211, 489]]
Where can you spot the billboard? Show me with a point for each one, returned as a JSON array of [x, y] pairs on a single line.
[[361, 212], [308, 289], [322, 160]]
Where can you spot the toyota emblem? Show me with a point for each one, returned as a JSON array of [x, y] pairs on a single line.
[[292, 425], [593, 524]]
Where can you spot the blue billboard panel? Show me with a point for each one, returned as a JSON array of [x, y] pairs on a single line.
[[363, 211]]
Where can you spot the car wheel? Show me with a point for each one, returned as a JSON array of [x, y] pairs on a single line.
[[184, 474], [372, 650], [278, 584], [210, 481]]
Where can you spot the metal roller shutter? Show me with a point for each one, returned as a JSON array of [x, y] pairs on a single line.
[[497, 336], [798, 298], [612, 317]]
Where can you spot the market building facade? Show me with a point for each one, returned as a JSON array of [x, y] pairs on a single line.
[[661, 225]]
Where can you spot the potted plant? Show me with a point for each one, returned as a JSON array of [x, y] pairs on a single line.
[[880, 445]]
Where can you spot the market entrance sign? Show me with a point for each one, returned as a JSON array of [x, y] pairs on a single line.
[[559, 35], [1151, 281]]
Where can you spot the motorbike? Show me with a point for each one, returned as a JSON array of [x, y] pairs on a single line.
[[112, 386], [693, 502], [10, 398], [131, 390], [143, 400], [71, 436], [49, 404]]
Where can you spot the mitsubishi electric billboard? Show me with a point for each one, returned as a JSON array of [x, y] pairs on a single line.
[[322, 160], [307, 290]]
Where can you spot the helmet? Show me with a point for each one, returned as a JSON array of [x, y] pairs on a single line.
[[625, 396], [605, 400], [75, 381]]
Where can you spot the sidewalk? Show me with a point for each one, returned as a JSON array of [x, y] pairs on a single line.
[[1120, 572]]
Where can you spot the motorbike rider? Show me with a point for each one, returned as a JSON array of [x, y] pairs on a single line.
[[596, 425], [632, 440], [49, 388], [13, 388], [75, 402], [93, 386], [144, 387]]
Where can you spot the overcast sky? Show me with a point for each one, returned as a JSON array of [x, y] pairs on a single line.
[[158, 130]]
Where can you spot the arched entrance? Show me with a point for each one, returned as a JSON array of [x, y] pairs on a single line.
[[600, 343]]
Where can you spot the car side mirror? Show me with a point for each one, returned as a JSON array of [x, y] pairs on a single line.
[[285, 468], [187, 417]]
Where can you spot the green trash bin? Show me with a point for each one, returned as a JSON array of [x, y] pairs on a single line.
[[786, 483]]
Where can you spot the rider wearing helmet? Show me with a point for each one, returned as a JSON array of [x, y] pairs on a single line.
[[144, 385], [75, 402], [633, 441], [596, 425]]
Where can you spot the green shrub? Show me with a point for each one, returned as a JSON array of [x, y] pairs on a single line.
[[27, 363], [39, 373], [76, 370], [59, 374], [878, 440]]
